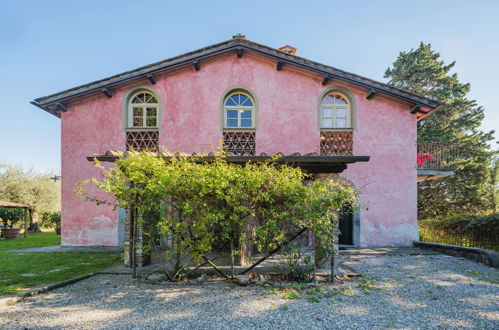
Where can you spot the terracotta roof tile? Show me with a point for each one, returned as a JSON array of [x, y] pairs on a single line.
[[11, 204]]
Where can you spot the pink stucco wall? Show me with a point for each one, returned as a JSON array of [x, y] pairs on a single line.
[[287, 122]]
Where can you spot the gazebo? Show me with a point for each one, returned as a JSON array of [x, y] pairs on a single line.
[[25, 208]]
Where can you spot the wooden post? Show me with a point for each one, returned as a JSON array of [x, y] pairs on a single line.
[[132, 240], [232, 255], [25, 213], [135, 246], [335, 258]]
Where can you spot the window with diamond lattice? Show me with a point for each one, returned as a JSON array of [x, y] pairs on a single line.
[[239, 143], [337, 143], [142, 140], [143, 110], [142, 121]]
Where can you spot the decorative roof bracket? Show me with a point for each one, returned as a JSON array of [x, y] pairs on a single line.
[[417, 108], [60, 106], [151, 78], [197, 65], [107, 92], [371, 94]]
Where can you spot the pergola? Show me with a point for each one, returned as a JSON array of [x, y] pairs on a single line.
[[25, 208], [311, 163]]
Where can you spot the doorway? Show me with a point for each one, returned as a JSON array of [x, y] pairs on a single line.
[[346, 227]]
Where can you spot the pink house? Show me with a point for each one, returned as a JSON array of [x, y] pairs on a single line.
[[256, 99]]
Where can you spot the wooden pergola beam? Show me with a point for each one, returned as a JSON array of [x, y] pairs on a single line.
[[309, 163]]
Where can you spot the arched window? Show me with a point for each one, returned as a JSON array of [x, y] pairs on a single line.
[[335, 111], [142, 119], [336, 121], [239, 122], [143, 110], [239, 111]]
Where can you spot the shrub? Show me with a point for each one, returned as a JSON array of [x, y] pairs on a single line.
[[10, 216], [464, 222], [51, 219], [297, 267], [465, 230]]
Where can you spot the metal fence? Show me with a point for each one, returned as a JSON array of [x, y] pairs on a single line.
[[436, 155], [478, 238]]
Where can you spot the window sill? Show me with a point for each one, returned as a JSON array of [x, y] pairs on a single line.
[[238, 129], [142, 129], [336, 129]]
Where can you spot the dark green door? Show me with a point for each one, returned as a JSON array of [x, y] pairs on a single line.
[[346, 227]]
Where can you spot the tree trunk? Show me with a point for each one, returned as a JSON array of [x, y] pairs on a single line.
[[34, 226], [248, 247]]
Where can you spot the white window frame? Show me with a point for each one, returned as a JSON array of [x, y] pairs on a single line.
[[334, 107], [239, 110], [144, 107]]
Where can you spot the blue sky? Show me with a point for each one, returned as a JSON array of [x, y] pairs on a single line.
[[47, 46]]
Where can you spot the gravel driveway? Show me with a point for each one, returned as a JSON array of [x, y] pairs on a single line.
[[430, 291]]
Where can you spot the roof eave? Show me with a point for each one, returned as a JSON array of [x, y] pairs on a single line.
[[222, 48], [45, 108], [50, 99]]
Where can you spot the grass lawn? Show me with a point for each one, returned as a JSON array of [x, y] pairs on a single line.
[[46, 238], [20, 272]]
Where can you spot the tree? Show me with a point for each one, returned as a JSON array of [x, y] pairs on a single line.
[[494, 182], [30, 187], [10, 216], [421, 71]]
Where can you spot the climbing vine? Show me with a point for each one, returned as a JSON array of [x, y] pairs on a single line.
[[204, 204]]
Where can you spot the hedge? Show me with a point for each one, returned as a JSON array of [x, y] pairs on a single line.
[[465, 230]]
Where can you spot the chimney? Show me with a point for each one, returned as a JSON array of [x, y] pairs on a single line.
[[239, 36], [288, 49]]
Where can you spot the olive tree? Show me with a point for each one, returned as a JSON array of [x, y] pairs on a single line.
[[27, 186]]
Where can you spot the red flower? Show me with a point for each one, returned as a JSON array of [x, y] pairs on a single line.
[[423, 158]]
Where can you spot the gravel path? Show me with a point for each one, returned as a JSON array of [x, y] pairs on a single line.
[[431, 291]]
